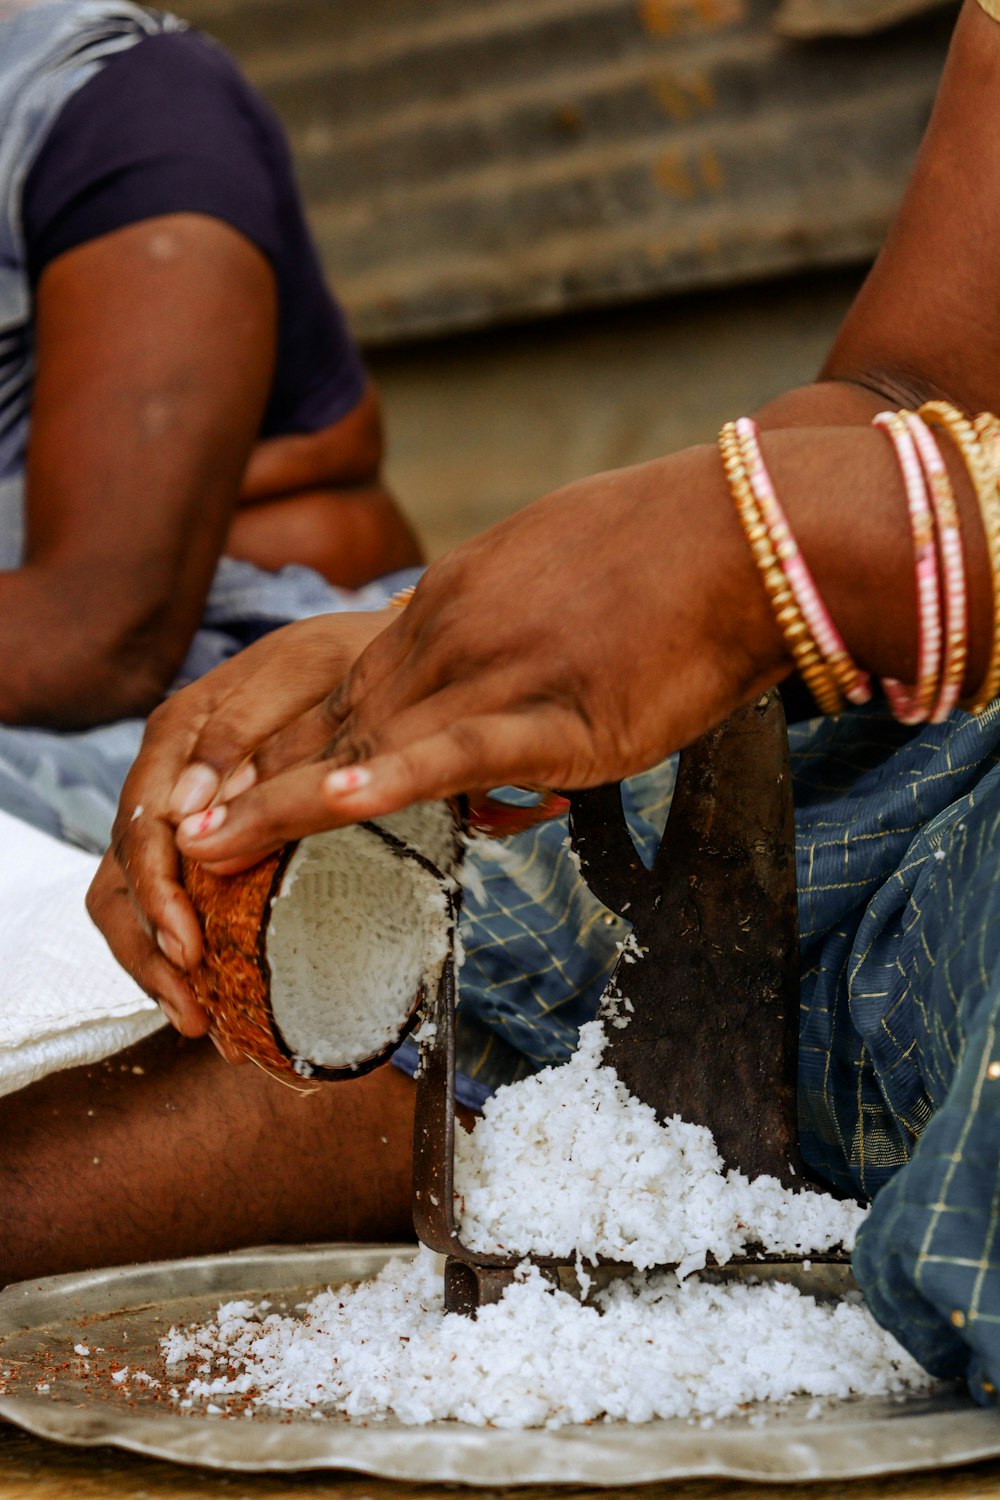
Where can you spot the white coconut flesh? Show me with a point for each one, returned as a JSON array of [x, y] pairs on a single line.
[[357, 928]]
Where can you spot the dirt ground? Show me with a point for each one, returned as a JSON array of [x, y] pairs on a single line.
[[479, 426]]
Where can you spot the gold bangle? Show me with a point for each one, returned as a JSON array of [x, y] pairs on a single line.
[[403, 597], [987, 428], [975, 442], [804, 651]]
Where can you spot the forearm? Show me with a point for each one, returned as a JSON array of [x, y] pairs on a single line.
[[842, 490], [921, 328], [834, 402], [867, 498], [349, 535]]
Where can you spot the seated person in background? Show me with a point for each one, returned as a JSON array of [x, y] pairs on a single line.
[[176, 383]]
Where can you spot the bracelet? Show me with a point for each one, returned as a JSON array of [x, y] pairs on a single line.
[[956, 624], [805, 653], [851, 681], [974, 442], [403, 597], [913, 704], [987, 429], [817, 648]]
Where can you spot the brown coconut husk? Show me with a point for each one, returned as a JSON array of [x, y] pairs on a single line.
[[233, 981]]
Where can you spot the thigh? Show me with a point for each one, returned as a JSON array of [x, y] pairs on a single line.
[[947, 955], [165, 1150], [928, 1258], [895, 855]]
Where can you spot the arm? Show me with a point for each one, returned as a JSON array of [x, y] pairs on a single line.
[[154, 353], [318, 498], [640, 619]]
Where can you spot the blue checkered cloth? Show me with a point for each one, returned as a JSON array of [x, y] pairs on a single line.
[[899, 1072], [538, 946]]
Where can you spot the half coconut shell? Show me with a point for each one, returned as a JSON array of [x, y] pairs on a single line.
[[316, 960]]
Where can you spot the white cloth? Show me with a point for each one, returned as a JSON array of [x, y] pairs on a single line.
[[64, 1001]]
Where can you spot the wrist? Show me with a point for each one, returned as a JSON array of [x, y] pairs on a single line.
[[735, 623]]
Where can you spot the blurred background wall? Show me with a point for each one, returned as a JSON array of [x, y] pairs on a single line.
[[573, 234]]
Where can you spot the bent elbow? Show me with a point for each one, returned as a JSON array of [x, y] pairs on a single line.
[[122, 678], [138, 670], [96, 694], [86, 651], [136, 693]]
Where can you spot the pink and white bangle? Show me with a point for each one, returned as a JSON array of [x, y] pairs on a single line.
[[913, 704], [956, 619], [850, 679]]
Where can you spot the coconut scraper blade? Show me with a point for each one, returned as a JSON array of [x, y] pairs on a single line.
[[702, 1009]]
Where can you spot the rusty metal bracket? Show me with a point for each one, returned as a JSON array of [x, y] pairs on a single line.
[[702, 1008]]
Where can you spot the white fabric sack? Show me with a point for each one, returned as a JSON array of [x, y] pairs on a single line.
[[64, 1001]]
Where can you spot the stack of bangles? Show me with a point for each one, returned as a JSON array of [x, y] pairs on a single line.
[[401, 599], [815, 644]]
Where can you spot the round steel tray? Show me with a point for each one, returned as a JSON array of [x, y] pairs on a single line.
[[124, 1312]]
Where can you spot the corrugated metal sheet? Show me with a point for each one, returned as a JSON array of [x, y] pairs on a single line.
[[468, 161]]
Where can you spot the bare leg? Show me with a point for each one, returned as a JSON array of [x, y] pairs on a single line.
[[166, 1150]]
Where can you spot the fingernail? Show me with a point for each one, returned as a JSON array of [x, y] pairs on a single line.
[[171, 948], [240, 781], [168, 1010], [195, 788], [350, 779], [202, 823]]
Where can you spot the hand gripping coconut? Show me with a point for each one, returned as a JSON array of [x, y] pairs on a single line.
[[316, 961]]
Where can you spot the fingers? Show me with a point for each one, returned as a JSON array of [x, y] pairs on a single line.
[[198, 747], [111, 908], [223, 715], [234, 836], [531, 745], [151, 964], [411, 768], [195, 788], [145, 858], [316, 732], [304, 740], [168, 740], [272, 713], [159, 901]]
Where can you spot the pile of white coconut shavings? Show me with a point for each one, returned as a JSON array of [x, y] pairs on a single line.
[[567, 1163]]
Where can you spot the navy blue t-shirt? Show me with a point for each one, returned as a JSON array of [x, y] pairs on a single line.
[[171, 126]]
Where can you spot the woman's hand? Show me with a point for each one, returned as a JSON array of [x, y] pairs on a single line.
[[576, 643], [136, 898]]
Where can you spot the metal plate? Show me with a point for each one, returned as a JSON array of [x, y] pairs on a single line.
[[124, 1311]]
